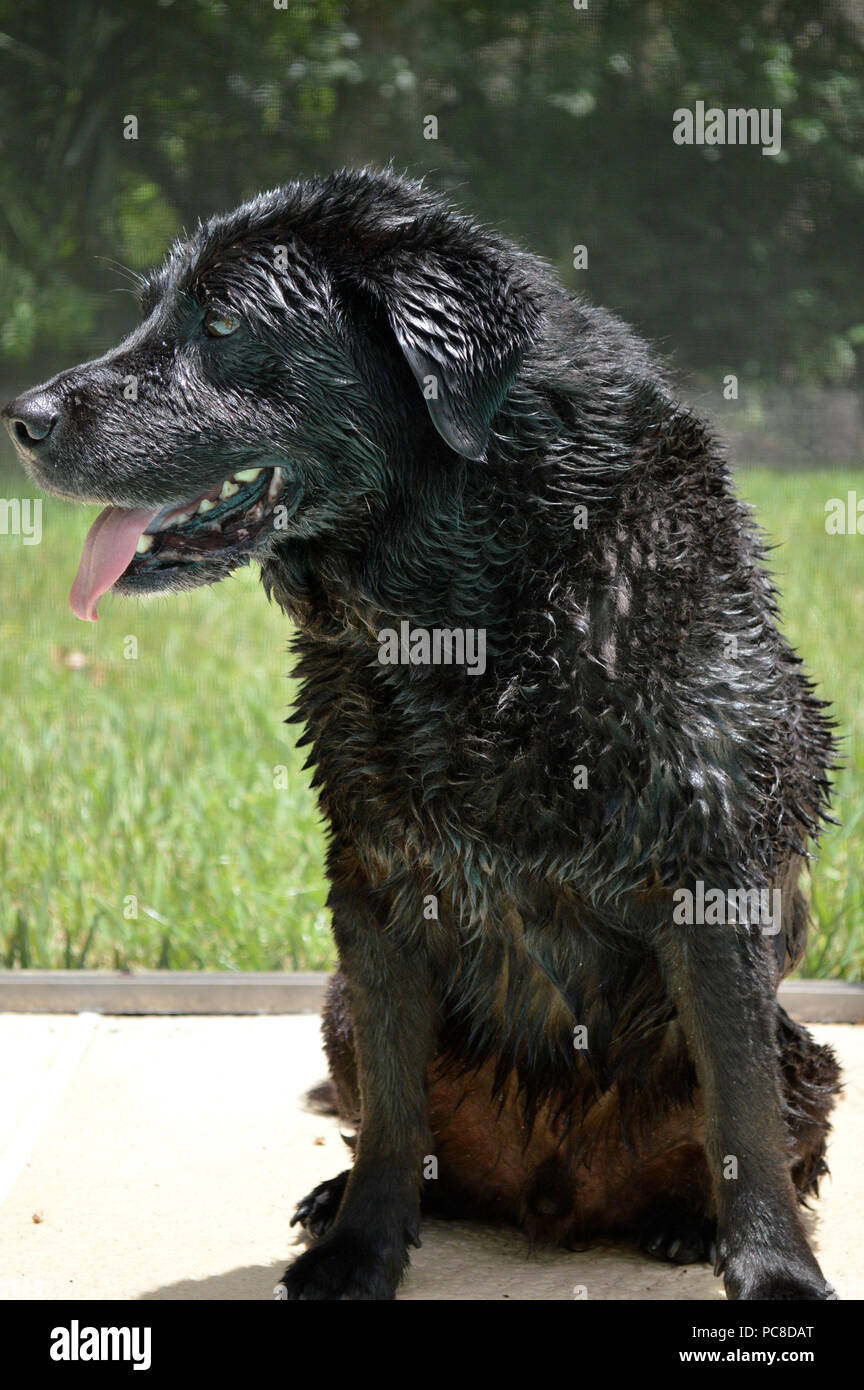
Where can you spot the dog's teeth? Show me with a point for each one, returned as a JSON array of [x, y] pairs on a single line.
[[145, 543], [228, 490], [256, 513], [275, 484], [179, 518], [206, 505], [247, 475]]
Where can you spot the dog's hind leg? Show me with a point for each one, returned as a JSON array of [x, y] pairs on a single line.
[[678, 1235], [316, 1212], [810, 1081]]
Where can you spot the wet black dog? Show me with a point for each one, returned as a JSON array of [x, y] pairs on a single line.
[[569, 767]]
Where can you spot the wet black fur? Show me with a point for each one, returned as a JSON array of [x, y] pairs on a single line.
[[641, 646]]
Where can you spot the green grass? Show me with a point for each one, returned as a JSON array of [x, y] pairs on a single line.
[[150, 778], [153, 778], [821, 582]]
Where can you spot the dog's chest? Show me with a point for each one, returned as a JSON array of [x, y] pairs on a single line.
[[420, 764]]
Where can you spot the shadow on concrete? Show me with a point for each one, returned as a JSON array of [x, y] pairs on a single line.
[[462, 1261]]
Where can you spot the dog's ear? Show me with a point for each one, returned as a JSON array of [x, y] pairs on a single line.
[[463, 331]]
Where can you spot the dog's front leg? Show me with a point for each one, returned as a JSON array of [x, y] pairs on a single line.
[[719, 981], [364, 1253]]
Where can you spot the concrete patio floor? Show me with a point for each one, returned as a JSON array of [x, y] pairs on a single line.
[[161, 1158]]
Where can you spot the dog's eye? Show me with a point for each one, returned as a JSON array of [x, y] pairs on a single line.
[[220, 325]]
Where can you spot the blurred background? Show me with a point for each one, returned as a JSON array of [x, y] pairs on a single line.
[[154, 810]]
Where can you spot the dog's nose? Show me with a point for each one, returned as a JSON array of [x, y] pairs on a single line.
[[32, 418]]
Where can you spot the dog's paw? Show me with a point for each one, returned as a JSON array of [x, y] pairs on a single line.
[[346, 1264], [789, 1277], [317, 1211], [781, 1287], [679, 1237]]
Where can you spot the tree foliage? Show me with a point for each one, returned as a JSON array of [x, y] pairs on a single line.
[[553, 122]]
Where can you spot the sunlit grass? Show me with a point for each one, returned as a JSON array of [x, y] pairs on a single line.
[[821, 579], [146, 783]]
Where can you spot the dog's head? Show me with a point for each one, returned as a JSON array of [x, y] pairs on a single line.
[[281, 366]]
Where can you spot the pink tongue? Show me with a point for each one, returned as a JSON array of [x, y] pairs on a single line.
[[108, 549]]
